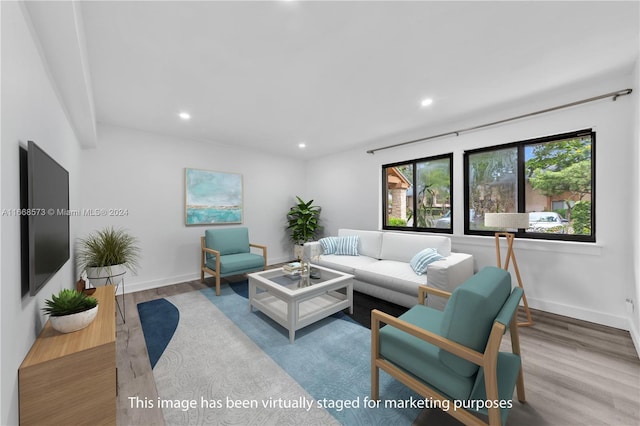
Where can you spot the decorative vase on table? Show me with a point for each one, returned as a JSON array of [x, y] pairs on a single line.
[[106, 255], [74, 322], [103, 275], [70, 310]]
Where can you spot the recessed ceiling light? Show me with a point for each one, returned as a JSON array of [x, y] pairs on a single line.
[[426, 102], [302, 145], [184, 115]]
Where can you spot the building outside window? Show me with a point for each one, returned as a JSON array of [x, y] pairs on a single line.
[[417, 194], [550, 178]]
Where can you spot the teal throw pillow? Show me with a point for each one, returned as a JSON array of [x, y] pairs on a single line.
[[329, 244], [347, 245], [423, 258]]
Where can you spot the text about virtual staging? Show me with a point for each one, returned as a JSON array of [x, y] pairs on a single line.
[[308, 404]]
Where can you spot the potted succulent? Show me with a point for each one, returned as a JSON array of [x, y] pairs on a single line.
[[70, 310], [106, 254], [304, 223]]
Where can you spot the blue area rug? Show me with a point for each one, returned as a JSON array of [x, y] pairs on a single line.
[[159, 319], [241, 288], [330, 359], [207, 359]]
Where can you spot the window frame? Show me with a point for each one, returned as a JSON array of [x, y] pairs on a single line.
[[521, 183], [413, 163]]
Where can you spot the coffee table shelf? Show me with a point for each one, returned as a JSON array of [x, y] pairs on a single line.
[[297, 303]]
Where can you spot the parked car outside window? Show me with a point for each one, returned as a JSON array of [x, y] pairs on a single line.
[[444, 221], [547, 222]]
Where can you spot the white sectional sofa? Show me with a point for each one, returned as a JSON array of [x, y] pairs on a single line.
[[382, 269]]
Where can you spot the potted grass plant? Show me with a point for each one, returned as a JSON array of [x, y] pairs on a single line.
[[70, 310], [107, 254]]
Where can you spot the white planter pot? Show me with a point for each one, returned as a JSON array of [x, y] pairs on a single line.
[[74, 322], [105, 275]]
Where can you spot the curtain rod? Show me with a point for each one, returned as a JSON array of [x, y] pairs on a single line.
[[614, 95]]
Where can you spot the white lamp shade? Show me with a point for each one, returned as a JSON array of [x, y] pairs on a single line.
[[506, 220]]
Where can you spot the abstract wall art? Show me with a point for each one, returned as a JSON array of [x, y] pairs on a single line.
[[212, 198]]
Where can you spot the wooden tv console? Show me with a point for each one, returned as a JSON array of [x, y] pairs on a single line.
[[71, 378]]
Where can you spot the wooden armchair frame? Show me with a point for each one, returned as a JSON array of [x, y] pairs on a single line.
[[487, 360], [216, 253]]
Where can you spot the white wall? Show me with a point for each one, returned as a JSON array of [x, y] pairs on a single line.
[[1, 203], [144, 174], [587, 281], [635, 296], [30, 111]]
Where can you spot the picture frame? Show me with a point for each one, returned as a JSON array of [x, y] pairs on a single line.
[[212, 197]]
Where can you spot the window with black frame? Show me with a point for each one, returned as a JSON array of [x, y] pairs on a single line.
[[551, 178], [417, 194]]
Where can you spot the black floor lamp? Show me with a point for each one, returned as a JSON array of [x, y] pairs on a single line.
[[510, 221]]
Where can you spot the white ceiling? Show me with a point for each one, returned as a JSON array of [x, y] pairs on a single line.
[[336, 75]]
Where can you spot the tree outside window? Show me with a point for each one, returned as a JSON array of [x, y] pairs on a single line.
[[492, 184], [418, 194], [550, 178], [561, 172]]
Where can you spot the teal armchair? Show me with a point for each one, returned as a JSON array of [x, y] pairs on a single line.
[[227, 252], [453, 356]]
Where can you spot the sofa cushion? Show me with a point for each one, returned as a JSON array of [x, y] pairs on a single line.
[[347, 245], [421, 358], [346, 264], [397, 276], [370, 241], [469, 315], [402, 247], [329, 244], [227, 241], [423, 258]]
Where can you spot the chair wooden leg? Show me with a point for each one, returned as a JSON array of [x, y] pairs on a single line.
[[515, 348], [491, 377], [375, 371], [375, 380], [520, 387], [201, 275], [218, 275]]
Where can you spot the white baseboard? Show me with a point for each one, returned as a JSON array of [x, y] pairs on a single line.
[[576, 312], [635, 336], [622, 323], [148, 285]]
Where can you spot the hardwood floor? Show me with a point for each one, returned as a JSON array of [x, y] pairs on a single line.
[[576, 373]]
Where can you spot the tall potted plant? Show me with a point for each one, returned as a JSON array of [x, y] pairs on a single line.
[[106, 254], [303, 223]]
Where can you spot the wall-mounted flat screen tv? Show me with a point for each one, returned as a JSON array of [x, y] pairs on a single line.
[[45, 218]]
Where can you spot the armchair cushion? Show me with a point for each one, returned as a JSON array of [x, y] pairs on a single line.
[[469, 314], [227, 241], [421, 358], [232, 264]]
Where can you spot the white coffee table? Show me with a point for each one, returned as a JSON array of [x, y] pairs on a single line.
[[296, 303]]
